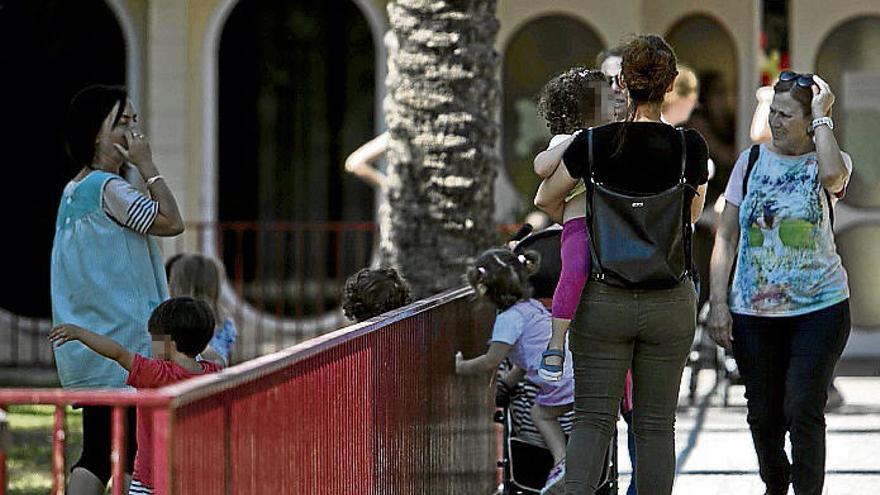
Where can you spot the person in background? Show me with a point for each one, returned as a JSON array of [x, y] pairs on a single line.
[[201, 277], [372, 291], [360, 161], [106, 268], [786, 314], [679, 103]]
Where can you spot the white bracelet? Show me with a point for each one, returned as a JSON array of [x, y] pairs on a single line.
[[154, 179], [823, 121]]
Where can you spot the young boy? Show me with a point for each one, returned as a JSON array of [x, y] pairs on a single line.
[[180, 328]]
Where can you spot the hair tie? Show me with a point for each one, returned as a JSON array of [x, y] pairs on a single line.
[[482, 271], [522, 259]]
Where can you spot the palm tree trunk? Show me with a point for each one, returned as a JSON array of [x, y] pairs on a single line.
[[440, 109]]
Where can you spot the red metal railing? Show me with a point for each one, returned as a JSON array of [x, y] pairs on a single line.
[[374, 408]]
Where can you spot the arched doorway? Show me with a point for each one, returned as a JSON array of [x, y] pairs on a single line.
[[706, 46], [49, 49], [296, 95], [849, 61], [540, 49]]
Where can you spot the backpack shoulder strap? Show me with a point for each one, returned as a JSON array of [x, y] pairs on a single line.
[[830, 207], [754, 153], [590, 153], [683, 154]]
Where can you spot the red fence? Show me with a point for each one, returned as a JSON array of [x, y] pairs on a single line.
[[374, 408]]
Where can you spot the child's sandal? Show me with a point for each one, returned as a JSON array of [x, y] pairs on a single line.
[[551, 372]]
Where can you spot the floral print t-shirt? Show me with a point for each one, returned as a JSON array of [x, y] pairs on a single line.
[[787, 263]]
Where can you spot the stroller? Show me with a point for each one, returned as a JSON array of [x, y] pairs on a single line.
[[705, 354], [526, 461]]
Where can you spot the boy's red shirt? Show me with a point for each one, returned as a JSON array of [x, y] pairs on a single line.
[[154, 373]]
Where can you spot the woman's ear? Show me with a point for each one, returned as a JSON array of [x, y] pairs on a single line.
[[482, 289], [670, 87]]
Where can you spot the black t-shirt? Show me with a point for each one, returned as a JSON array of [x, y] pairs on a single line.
[[648, 162]]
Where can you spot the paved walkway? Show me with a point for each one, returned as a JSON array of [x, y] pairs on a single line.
[[715, 453]]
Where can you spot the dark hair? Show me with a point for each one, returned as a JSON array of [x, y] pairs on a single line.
[[802, 95], [87, 112], [649, 66], [502, 276], [373, 291], [571, 100], [189, 322]]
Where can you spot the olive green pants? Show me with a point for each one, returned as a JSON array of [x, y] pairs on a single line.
[[614, 329]]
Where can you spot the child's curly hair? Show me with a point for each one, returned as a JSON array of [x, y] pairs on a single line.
[[502, 276], [572, 100], [373, 291]]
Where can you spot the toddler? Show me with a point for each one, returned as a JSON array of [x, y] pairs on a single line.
[[180, 328], [521, 332]]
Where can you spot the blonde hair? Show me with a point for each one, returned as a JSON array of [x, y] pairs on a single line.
[[199, 277], [685, 84]]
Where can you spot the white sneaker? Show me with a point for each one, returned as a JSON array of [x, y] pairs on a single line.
[[555, 480]]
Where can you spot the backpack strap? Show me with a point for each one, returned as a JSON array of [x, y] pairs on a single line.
[[830, 207], [590, 152], [683, 154], [589, 183], [754, 153]]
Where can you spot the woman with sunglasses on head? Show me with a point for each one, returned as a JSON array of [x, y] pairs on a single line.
[[786, 313]]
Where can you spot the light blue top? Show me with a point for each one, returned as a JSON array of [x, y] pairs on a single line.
[[787, 263], [104, 277], [224, 339], [526, 327]]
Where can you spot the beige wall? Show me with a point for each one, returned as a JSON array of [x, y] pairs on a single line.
[[741, 19], [179, 39], [812, 21], [611, 19]]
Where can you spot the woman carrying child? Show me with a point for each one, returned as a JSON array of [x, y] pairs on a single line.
[[619, 325], [521, 333]]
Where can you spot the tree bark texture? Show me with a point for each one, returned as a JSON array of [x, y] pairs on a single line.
[[441, 107]]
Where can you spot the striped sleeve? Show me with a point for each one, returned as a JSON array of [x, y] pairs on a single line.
[[129, 207]]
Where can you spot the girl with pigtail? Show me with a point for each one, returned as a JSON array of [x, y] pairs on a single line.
[[521, 333]]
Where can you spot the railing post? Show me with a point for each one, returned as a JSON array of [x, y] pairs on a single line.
[[5, 444], [59, 438], [162, 450], [117, 452]]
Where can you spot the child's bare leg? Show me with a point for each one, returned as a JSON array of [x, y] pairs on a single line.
[[545, 419]]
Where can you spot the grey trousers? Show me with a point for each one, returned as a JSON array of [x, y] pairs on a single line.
[[614, 329]]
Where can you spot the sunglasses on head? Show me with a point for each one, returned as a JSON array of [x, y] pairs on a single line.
[[803, 80]]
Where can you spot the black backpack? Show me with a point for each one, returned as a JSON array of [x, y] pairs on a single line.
[[638, 241], [754, 153]]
